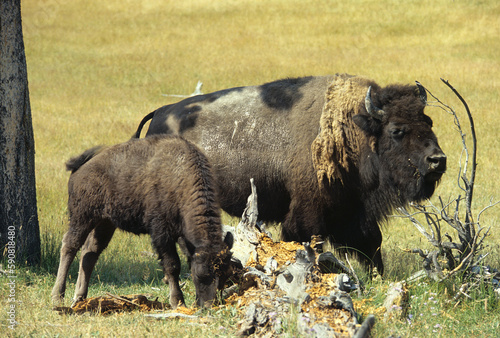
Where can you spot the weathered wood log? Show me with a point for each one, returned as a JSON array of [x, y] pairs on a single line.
[[286, 273]]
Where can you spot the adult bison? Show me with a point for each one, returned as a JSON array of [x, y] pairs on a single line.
[[162, 186], [330, 156]]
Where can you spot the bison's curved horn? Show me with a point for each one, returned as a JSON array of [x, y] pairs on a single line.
[[422, 92], [375, 112]]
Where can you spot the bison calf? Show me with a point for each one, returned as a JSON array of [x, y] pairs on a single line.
[[162, 186]]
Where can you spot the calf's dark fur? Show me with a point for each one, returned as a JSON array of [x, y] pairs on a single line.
[[161, 186]]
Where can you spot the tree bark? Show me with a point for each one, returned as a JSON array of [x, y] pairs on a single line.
[[19, 230]]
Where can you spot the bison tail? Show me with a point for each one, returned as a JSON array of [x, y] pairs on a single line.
[[76, 162], [143, 122]]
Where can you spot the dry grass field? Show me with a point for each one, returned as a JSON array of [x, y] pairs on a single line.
[[95, 68]]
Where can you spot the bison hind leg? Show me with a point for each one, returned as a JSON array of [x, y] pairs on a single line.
[[97, 240], [71, 243], [67, 256]]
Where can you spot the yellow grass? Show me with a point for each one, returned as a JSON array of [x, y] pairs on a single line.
[[95, 68]]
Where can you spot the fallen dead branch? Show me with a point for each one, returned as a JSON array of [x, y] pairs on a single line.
[[109, 303]]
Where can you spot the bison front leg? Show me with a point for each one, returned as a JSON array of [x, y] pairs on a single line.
[[172, 269], [373, 251], [367, 247], [96, 242]]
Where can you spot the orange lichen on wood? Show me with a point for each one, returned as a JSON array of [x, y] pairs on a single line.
[[282, 252], [336, 318]]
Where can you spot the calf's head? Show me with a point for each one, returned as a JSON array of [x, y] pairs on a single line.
[[404, 155], [210, 269]]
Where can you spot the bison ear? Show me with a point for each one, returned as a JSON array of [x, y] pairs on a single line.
[[422, 92], [229, 240], [367, 123]]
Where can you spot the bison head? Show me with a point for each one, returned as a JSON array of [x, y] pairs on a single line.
[[403, 157], [209, 269]]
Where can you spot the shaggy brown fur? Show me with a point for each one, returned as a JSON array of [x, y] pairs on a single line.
[[162, 186], [337, 146]]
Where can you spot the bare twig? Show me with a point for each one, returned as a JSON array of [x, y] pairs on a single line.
[[474, 154], [121, 298]]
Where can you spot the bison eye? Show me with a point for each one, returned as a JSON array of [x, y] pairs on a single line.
[[397, 133]]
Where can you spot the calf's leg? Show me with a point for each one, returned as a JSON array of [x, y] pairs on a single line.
[[172, 269], [96, 242], [71, 243]]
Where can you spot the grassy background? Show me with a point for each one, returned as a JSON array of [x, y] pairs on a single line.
[[95, 68]]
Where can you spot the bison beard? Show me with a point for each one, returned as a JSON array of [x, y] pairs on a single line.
[[330, 156]]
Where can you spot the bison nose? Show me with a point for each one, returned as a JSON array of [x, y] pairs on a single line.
[[437, 162]]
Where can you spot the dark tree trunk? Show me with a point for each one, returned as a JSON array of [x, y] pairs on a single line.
[[19, 231]]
